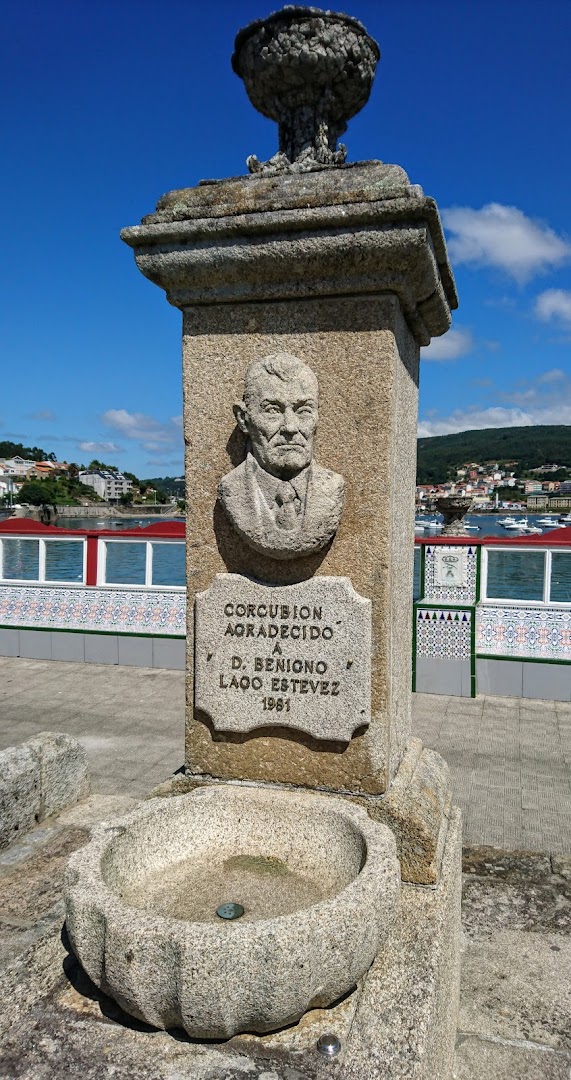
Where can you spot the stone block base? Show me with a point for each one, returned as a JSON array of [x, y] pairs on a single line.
[[405, 1023], [37, 779], [416, 809]]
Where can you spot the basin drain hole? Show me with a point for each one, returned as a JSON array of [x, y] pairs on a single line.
[[230, 911]]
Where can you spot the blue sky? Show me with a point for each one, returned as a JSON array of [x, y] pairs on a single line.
[[106, 104]]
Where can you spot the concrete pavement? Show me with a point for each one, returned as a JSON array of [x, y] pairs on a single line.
[[510, 758]]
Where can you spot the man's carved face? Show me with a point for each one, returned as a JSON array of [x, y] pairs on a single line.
[[280, 418]]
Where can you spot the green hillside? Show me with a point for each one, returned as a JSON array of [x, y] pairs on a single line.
[[171, 485], [441, 455]]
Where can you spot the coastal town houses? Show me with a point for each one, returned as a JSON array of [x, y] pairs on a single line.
[[46, 469], [15, 471], [482, 482], [6, 480]]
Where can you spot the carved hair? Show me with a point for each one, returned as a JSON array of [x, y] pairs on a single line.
[[283, 365]]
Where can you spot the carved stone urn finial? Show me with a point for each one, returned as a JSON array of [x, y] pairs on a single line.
[[311, 71], [453, 509]]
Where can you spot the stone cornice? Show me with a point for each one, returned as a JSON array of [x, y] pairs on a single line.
[[350, 232]]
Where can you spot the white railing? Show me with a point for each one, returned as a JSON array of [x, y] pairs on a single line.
[[122, 562], [543, 577], [129, 563], [28, 560]]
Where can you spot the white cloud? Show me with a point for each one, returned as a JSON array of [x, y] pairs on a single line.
[[521, 397], [467, 420], [554, 304], [151, 434], [495, 416], [450, 346], [547, 401], [503, 237], [555, 375], [42, 414], [159, 459], [99, 447], [503, 303]]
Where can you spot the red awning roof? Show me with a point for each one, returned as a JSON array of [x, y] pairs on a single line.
[[29, 526], [551, 538]]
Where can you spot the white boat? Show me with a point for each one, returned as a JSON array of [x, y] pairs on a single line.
[[565, 519], [433, 524], [515, 524], [550, 522], [475, 527], [505, 521], [532, 529], [418, 527]]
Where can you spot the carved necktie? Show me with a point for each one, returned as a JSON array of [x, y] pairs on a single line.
[[288, 506]]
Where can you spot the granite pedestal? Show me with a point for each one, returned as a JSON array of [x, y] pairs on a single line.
[[307, 289]]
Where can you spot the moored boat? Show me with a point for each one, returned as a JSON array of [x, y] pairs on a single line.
[[515, 524]]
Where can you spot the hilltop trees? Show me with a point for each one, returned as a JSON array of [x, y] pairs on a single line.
[[29, 453], [530, 447]]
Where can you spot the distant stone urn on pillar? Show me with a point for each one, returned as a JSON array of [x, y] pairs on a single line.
[[454, 509], [311, 71]]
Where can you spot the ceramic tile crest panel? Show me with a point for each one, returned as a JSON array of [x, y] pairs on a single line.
[[443, 633], [451, 594], [106, 610], [544, 633]]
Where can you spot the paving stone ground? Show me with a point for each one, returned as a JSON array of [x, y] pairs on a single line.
[[510, 761], [510, 758], [130, 719]]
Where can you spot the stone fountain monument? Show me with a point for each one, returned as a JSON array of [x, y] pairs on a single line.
[[297, 890]]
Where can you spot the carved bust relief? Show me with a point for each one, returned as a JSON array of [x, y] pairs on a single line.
[[279, 500]]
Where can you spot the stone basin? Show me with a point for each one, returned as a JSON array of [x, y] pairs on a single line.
[[319, 883]]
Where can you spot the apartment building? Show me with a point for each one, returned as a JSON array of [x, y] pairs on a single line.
[[106, 483]]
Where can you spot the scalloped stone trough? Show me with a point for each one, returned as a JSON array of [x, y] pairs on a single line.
[[318, 880]]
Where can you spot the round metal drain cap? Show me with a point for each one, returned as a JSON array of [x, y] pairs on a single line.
[[230, 911], [328, 1045]]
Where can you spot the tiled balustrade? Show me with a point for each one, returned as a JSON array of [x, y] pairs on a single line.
[[93, 595], [494, 616]]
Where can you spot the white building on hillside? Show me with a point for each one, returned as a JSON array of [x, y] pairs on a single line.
[[6, 482], [18, 466], [107, 484]]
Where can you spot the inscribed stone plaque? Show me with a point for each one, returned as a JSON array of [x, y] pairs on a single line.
[[296, 656], [450, 566]]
